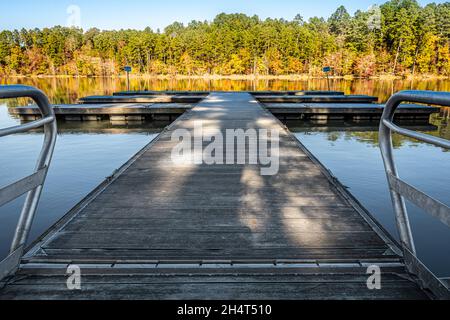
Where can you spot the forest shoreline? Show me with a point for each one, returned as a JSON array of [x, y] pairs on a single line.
[[396, 40]]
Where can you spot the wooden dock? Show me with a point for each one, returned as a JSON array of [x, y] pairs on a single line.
[[205, 93], [358, 112], [348, 99], [320, 107], [161, 230], [115, 112], [161, 93], [141, 99]]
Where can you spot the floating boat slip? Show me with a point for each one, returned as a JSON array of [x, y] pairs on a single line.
[[257, 93], [167, 111], [355, 111], [141, 99], [161, 93], [316, 99], [297, 93], [162, 230], [111, 111], [294, 97]]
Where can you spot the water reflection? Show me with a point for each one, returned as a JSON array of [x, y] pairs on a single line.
[[68, 90], [107, 127], [368, 131]]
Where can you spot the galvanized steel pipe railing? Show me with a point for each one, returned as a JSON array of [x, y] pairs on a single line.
[[31, 185]]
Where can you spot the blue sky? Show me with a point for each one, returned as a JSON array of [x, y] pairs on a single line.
[[138, 14]]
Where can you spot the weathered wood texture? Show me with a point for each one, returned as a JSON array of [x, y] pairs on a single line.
[[109, 111], [161, 93], [297, 93], [358, 112], [204, 93], [206, 284], [346, 108], [142, 99], [163, 212], [316, 99]]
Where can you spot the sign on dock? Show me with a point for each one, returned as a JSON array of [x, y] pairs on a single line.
[[128, 69], [327, 70]]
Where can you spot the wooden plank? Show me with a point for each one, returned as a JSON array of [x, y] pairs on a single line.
[[272, 277], [346, 108], [215, 224], [208, 287], [161, 93], [198, 255], [151, 271], [103, 109], [141, 99], [205, 93], [216, 201], [317, 99], [113, 239], [297, 93], [98, 210]]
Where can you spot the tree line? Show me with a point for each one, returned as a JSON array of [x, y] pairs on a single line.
[[399, 37]]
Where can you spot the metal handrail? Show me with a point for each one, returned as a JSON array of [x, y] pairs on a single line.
[[398, 188], [33, 184]]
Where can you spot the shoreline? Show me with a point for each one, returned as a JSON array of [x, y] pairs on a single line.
[[298, 77]]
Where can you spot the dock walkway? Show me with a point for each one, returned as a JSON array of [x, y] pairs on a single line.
[[162, 230]]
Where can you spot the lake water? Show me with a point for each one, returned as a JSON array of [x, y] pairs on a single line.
[[86, 153]]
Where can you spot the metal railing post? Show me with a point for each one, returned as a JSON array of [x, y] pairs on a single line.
[[399, 205]]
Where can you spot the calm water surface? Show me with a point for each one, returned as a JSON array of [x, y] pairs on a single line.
[[86, 153]]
